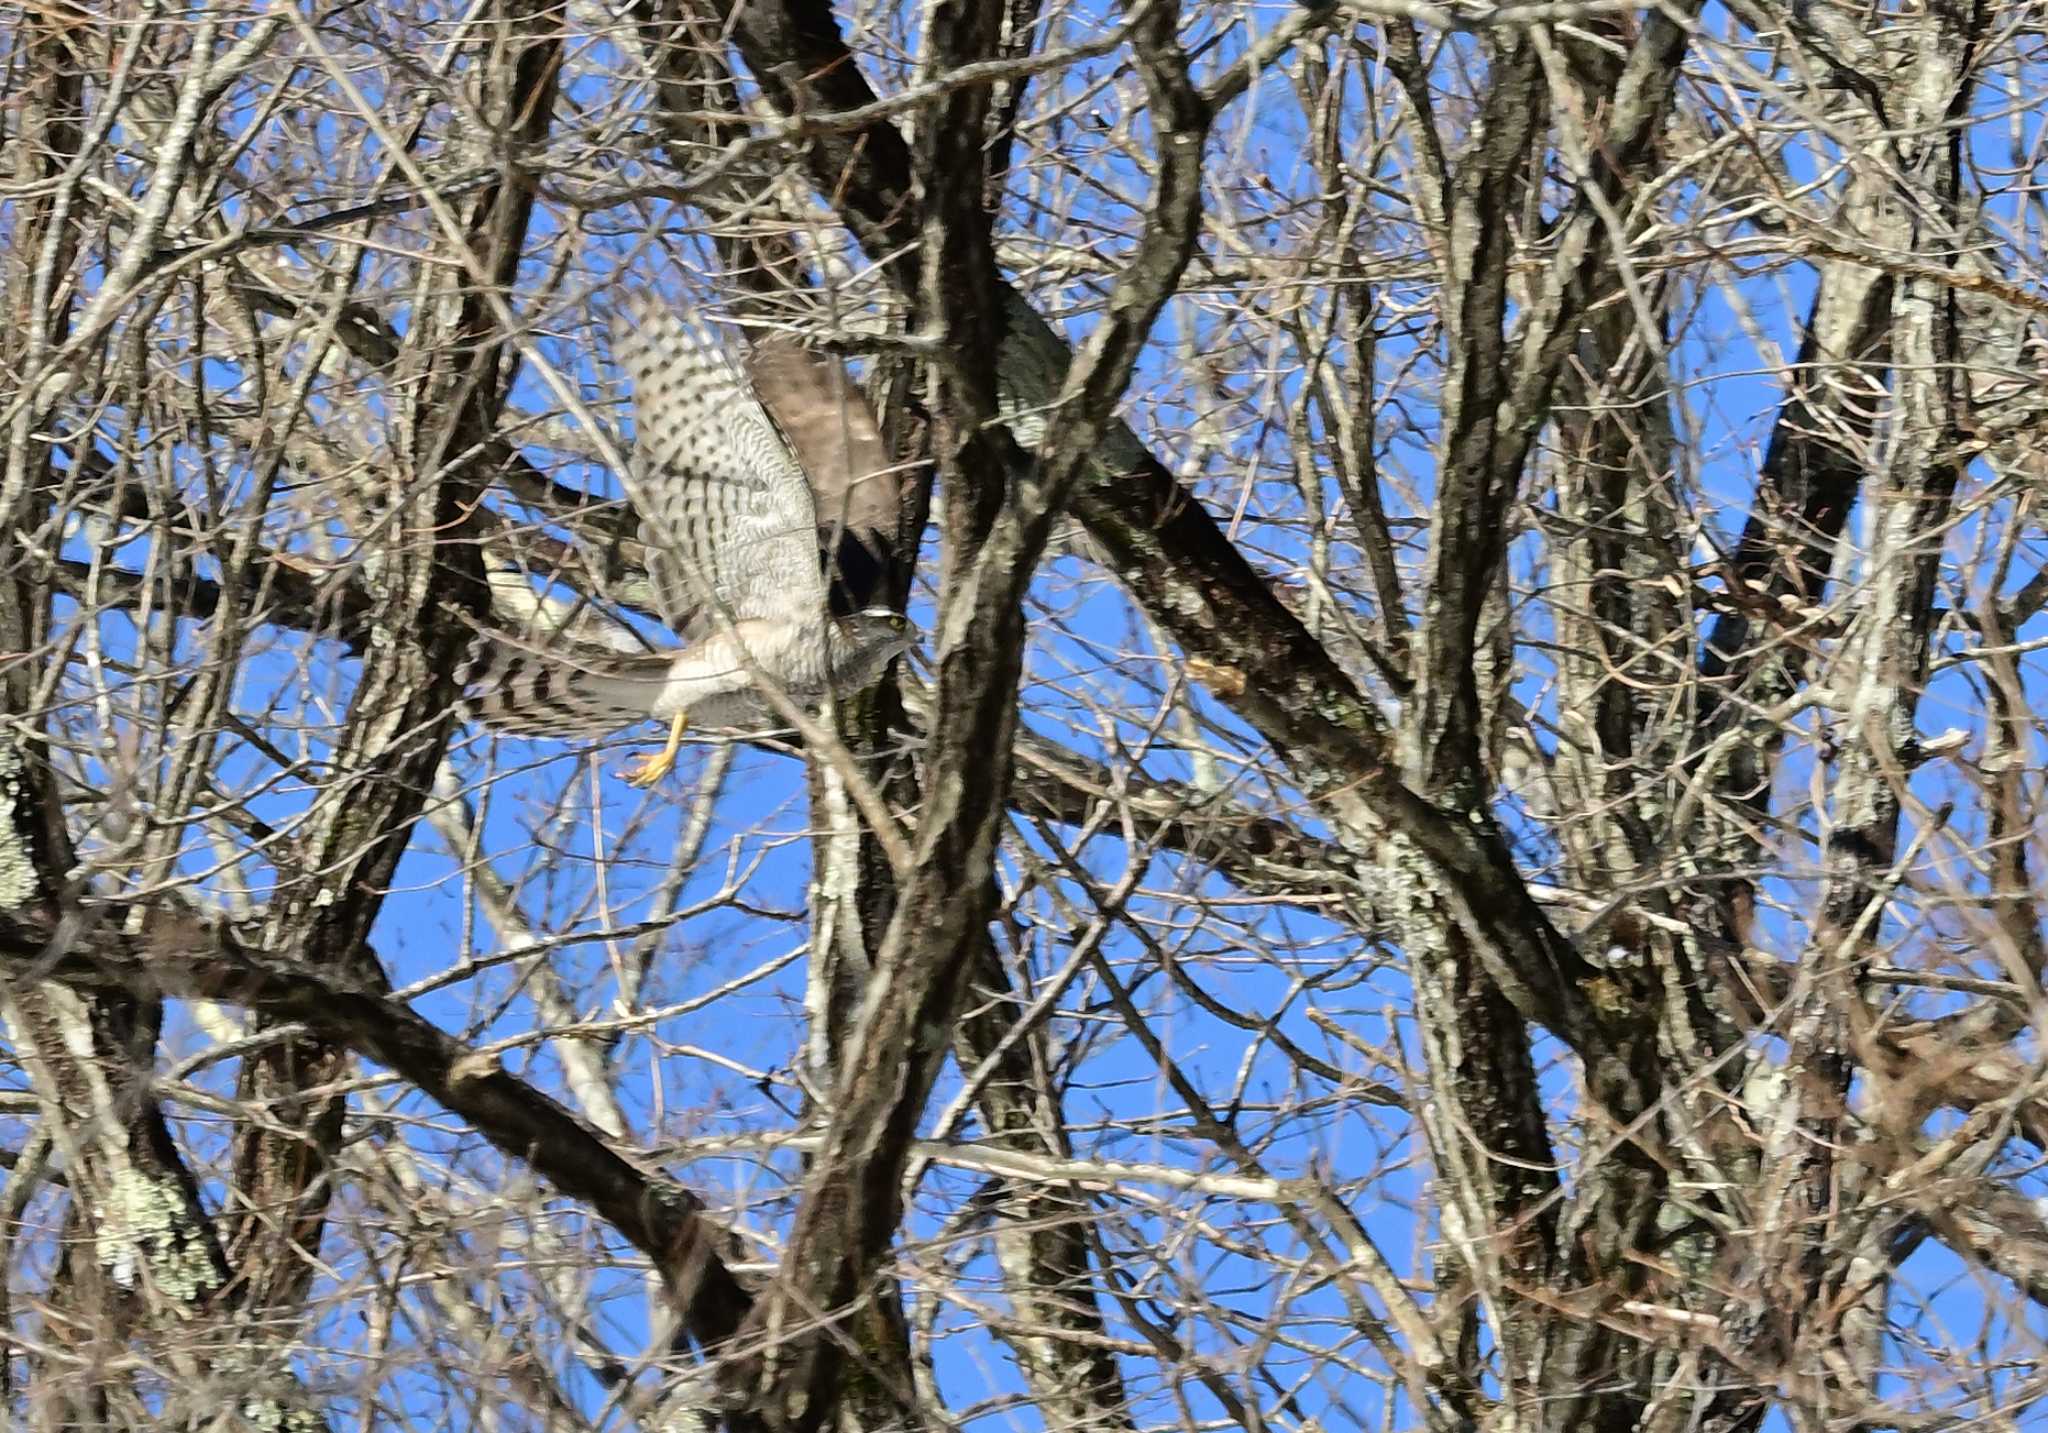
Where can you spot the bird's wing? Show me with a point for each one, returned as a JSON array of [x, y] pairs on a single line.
[[717, 488], [832, 429]]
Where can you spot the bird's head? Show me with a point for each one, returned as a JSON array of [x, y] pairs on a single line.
[[879, 634]]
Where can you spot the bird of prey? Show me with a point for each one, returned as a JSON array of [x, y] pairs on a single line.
[[732, 526]]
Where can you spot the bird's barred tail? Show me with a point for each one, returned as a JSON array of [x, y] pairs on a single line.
[[577, 692]]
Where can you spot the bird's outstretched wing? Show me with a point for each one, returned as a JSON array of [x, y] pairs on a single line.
[[859, 492], [717, 488]]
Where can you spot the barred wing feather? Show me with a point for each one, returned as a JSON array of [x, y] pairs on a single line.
[[717, 489]]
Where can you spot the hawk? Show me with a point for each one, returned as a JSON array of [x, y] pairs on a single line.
[[727, 513]]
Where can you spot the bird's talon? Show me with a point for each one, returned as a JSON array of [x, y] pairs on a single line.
[[648, 770]]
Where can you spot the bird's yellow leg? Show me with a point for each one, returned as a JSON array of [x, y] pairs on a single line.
[[650, 769]]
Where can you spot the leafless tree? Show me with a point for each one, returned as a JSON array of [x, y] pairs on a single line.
[[1459, 851]]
